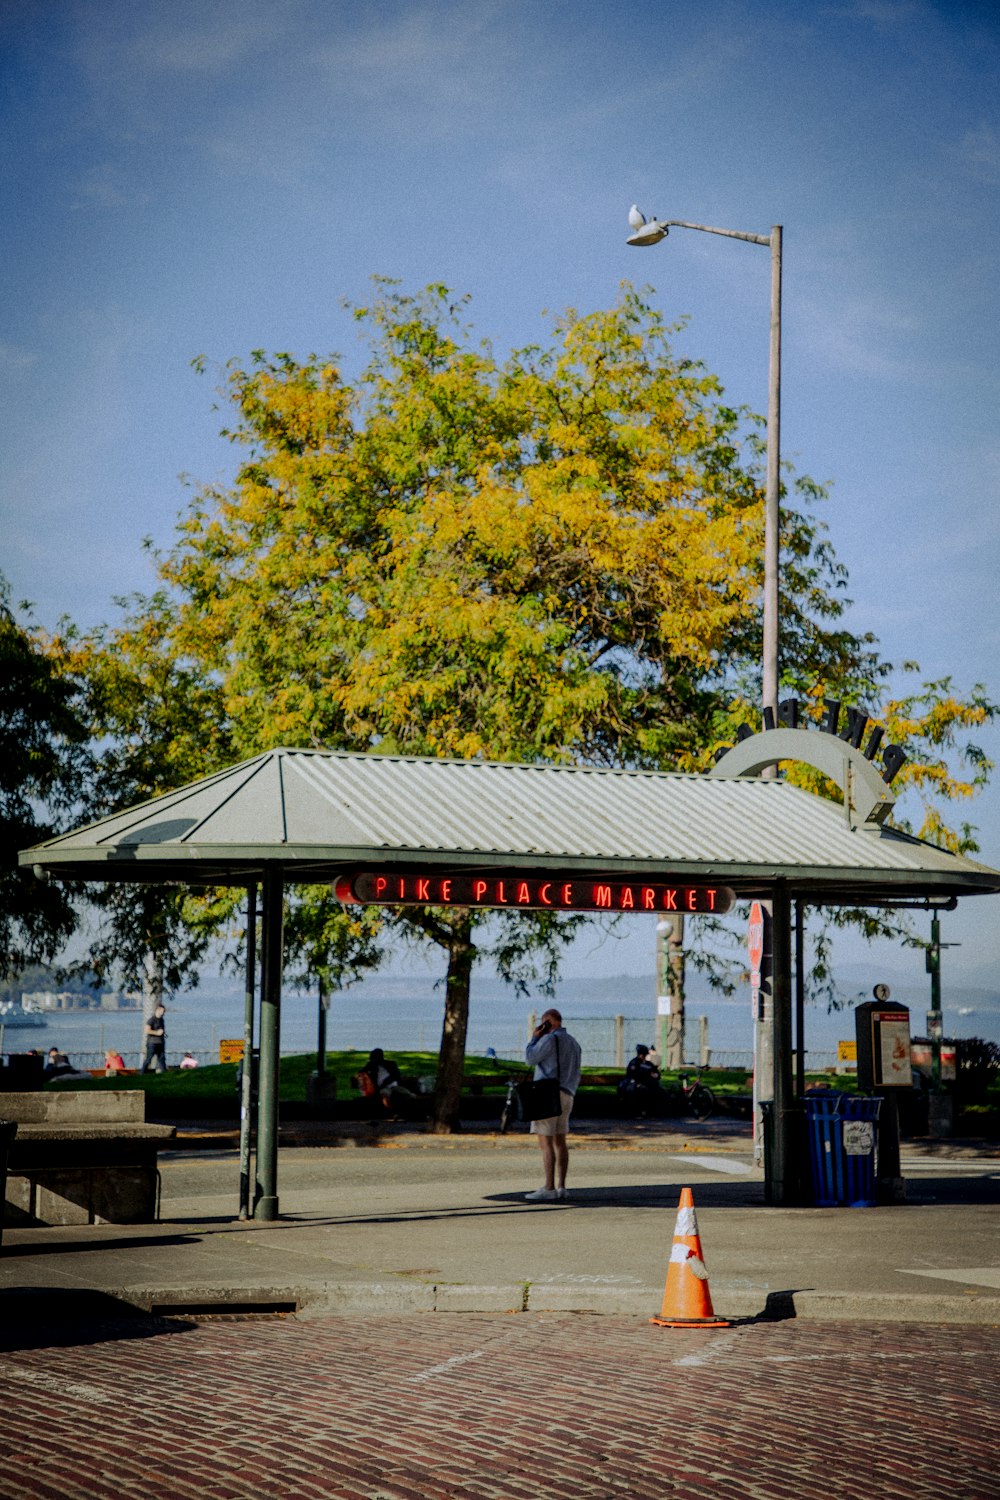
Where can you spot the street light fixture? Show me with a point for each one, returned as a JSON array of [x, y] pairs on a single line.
[[772, 1039], [651, 232]]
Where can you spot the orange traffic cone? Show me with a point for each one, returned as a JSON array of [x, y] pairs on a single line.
[[687, 1302]]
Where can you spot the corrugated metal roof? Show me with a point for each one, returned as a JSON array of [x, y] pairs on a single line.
[[316, 811]]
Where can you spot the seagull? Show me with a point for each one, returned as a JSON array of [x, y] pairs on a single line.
[[635, 219]]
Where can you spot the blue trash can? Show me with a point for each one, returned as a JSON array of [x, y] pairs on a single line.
[[843, 1136]]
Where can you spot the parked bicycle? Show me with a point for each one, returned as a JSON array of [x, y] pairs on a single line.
[[688, 1096], [511, 1112], [697, 1097]]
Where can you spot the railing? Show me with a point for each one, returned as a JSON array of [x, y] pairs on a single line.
[[602, 1048], [86, 1062]]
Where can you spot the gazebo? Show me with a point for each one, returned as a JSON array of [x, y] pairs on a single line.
[[400, 829]]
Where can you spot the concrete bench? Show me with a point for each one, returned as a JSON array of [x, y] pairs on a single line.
[[82, 1157]]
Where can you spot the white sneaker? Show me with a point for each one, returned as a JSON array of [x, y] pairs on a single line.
[[560, 1193], [541, 1195]]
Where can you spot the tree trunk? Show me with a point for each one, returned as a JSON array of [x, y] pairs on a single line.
[[152, 996], [674, 1057], [451, 1063]]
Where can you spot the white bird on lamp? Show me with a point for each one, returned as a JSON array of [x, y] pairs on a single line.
[[635, 219]]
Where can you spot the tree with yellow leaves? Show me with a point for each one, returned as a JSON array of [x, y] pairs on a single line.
[[552, 558]]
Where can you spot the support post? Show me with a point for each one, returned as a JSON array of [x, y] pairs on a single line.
[[763, 1060], [782, 1187], [619, 1042], [800, 1002], [934, 1019], [322, 1004], [246, 1090], [704, 1052], [772, 499], [266, 1204]]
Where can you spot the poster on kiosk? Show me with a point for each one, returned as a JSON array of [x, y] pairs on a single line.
[[883, 1033]]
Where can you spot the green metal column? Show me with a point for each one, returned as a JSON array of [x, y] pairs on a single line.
[[321, 1032], [272, 931], [800, 1002], [246, 1092], [782, 1187], [934, 1022]]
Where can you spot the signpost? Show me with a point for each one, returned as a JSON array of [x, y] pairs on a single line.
[[763, 1071], [755, 952], [847, 1057], [885, 1066]]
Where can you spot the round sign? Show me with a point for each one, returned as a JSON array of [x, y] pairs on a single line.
[[881, 992]]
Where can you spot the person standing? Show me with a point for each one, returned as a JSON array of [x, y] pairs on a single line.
[[155, 1032], [554, 1054]]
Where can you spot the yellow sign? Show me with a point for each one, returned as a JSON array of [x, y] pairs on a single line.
[[231, 1050], [847, 1052]]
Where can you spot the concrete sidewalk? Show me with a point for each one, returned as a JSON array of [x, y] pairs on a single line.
[[430, 1223]]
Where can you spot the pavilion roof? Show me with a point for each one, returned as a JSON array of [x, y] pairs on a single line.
[[317, 813]]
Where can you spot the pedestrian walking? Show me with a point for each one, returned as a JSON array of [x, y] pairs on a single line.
[[155, 1032], [554, 1054]]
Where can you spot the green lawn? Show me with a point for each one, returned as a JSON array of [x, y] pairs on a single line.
[[218, 1081], [482, 1075]]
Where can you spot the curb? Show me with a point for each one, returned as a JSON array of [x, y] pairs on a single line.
[[292, 1137], [400, 1299], [606, 1136]]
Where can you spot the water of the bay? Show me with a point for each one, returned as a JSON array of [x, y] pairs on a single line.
[[405, 1015]]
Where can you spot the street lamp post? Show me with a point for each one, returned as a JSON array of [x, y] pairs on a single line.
[[772, 1026], [650, 233]]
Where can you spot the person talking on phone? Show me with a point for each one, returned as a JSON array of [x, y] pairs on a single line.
[[553, 1053]]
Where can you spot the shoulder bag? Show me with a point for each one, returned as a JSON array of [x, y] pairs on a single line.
[[541, 1098]]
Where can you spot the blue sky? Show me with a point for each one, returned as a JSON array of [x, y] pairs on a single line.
[[210, 178]]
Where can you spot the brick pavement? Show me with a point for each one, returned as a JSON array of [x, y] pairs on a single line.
[[480, 1407]]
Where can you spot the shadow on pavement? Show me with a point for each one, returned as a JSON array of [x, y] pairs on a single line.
[[72, 1247], [713, 1194], [49, 1318]]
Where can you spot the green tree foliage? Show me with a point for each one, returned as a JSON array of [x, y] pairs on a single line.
[[42, 761], [556, 557]]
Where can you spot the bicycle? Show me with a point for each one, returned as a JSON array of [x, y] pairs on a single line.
[[511, 1112], [697, 1096], [686, 1096]]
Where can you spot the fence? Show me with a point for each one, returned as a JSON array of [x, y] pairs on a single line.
[[606, 1042]]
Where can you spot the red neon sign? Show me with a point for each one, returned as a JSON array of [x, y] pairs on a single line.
[[514, 890]]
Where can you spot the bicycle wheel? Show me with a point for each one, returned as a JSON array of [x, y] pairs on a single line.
[[511, 1112], [701, 1102]]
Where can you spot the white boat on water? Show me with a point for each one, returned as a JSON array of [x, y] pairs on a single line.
[[14, 1016]]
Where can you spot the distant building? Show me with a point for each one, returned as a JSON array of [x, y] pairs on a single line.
[[49, 1000]]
